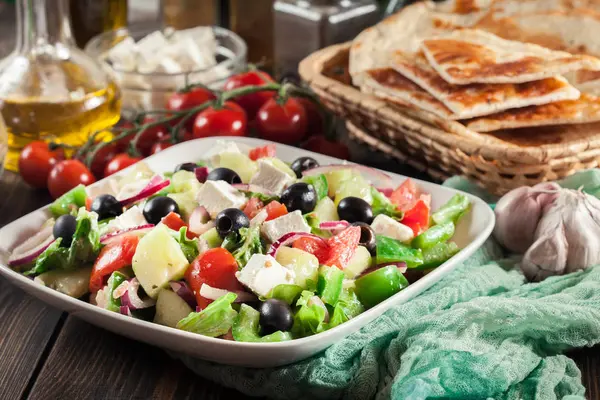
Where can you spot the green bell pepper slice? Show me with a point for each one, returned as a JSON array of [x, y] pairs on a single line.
[[438, 254], [73, 199], [455, 208], [329, 284], [114, 281], [379, 285], [285, 292], [245, 328], [434, 235], [320, 184], [391, 250]]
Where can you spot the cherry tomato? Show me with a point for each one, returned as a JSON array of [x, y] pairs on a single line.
[[405, 196], [313, 246], [417, 218], [215, 267], [275, 210], [122, 144], [188, 134], [342, 247], [320, 144], [227, 121], [315, 124], [114, 256], [251, 103], [66, 175], [282, 123], [174, 221], [101, 158], [150, 136], [263, 151], [119, 162], [252, 207], [186, 100], [36, 161], [160, 146]]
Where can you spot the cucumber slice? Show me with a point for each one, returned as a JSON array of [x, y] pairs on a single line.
[[335, 178], [212, 238], [238, 162], [170, 308], [357, 186], [360, 262], [326, 210], [304, 265]]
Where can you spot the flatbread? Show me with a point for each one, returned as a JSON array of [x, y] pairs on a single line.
[[469, 101], [473, 56], [586, 109], [393, 86]]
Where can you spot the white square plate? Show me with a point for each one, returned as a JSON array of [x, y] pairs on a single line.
[[471, 233]]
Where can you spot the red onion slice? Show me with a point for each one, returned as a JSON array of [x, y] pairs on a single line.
[[132, 299], [183, 290], [136, 229], [120, 290], [384, 181], [253, 188], [156, 184], [125, 311], [31, 248], [290, 238], [333, 225], [199, 221], [387, 192], [211, 293], [201, 174]]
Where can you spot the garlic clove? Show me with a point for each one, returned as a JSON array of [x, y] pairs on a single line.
[[546, 257]]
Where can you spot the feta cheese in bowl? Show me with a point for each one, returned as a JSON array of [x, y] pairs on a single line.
[[149, 65]]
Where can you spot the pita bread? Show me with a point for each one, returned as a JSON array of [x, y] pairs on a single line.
[[586, 109], [469, 101], [473, 56], [394, 87]]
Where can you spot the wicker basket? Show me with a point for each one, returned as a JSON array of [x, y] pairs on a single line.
[[497, 161]]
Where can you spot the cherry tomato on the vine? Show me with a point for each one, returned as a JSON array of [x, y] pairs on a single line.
[[119, 162], [122, 144], [101, 158], [36, 161], [160, 146], [251, 103], [230, 120], [315, 124], [150, 136], [185, 100], [283, 123], [320, 144], [66, 175]]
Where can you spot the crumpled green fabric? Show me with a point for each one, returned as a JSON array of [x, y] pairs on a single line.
[[480, 333]]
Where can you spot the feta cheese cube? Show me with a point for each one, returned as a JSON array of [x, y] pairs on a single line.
[[131, 218], [150, 46], [387, 226], [109, 186], [216, 196], [262, 273], [290, 222], [123, 55], [271, 178]]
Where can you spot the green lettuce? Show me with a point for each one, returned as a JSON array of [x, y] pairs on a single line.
[[188, 246], [244, 245], [286, 292], [245, 328], [313, 221], [215, 320], [309, 319], [382, 205], [115, 280]]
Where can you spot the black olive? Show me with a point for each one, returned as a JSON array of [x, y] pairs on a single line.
[[275, 315], [188, 166], [354, 209], [303, 164], [367, 237], [64, 228], [231, 220], [159, 207], [224, 174], [299, 196], [106, 206]]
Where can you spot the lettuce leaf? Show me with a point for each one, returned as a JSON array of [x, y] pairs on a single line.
[[244, 245], [188, 246], [308, 320], [215, 320], [382, 205], [285, 292], [245, 328]]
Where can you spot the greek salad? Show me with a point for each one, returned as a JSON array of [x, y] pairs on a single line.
[[241, 245]]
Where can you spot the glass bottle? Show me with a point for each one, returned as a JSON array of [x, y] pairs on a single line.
[[49, 89], [253, 21], [92, 17], [184, 14]]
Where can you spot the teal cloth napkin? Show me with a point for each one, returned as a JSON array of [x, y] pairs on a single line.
[[480, 333]]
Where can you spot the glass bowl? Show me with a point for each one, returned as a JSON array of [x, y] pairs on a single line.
[[149, 91]]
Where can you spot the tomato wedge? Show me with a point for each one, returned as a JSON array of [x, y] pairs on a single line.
[[342, 247], [405, 196], [275, 210], [113, 257], [215, 267], [313, 246], [260, 152], [253, 207], [417, 218], [174, 221]]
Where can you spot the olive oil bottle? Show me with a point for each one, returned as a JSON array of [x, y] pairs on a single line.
[[49, 89]]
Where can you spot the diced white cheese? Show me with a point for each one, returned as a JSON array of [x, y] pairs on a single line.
[[222, 146], [169, 65], [109, 186], [150, 46], [123, 55], [131, 189], [387, 226], [290, 222], [216, 196], [129, 219], [271, 178], [262, 273]]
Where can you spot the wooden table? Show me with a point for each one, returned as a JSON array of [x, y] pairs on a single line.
[[48, 354]]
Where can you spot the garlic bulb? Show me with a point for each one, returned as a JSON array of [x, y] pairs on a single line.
[[518, 213], [567, 237]]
